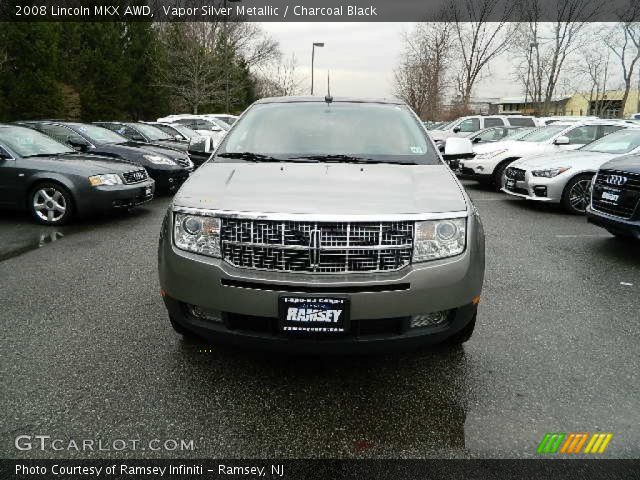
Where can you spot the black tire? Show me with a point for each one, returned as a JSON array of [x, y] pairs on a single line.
[[621, 236], [577, 194], [50, 204], [498, 172], [465, 334], [181, 330]]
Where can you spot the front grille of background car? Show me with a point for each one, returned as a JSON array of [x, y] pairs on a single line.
[[136, 176], [317, 247], [629, 194], [515, 173]]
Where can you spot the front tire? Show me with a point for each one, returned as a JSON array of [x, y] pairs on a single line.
[[498, 173], [50, 204], [577, 194]]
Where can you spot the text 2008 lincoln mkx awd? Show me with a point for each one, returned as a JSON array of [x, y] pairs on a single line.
[[324, 225]]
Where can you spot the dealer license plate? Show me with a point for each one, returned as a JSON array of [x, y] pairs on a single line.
[[610, 197], [314, 314]]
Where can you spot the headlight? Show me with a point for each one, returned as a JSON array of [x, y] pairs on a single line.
[[439, 239], [105, 179], [550, 173], [197, 234], [158, 160], [486, 155]]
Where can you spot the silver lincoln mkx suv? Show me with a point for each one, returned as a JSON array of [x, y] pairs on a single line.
[[324, 225]]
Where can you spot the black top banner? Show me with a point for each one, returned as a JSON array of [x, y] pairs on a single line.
[[320, 10]]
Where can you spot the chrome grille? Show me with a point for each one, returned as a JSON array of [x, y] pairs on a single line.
[[317, 247], [136, 176]]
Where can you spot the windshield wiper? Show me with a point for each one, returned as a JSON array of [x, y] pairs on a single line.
[[252, 157], [349, 159], [49, 154]]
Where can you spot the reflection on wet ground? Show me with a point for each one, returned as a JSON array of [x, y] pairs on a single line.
[[323, 407]]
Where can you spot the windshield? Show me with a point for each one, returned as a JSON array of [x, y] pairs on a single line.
[[620, 142], [184, 131], [377, 132], [516, 133], [151, 132], [98, 134], [543, 134], [28, 143]]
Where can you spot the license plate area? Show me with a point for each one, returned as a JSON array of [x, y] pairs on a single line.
[[319, 315], [610, 195]]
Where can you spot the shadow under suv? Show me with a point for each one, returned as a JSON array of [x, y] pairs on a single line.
[[324, 225]]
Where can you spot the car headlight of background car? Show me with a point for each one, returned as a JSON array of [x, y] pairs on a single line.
[[549, 173], [495, 153], [158, 160], [439, 239], [197, 234], [105, 179]]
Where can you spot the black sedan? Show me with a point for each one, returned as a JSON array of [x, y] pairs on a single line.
[[54, 182], [145, 133], [163, 166], [615, 197]]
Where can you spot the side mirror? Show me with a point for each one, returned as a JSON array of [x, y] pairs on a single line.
[[215, 128], [179, 138], [477, 140], [561, 140], [455, 148], [78, 143], [456, 129]]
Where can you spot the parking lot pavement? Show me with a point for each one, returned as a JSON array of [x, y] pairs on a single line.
[[88, 353]]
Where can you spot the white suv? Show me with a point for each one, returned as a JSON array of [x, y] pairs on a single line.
[[465, 126], [492, 159]]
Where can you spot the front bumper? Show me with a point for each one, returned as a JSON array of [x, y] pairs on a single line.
[[114, 197], [169, 179], [614, 224], [539, 189], [381, 305]]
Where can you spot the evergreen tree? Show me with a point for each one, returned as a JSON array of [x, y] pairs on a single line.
[[30, 70]]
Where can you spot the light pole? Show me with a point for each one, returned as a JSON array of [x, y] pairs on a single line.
[[313, 53], [226, 55], [532, 45]]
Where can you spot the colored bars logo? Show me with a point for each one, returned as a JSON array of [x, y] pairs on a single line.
[[574, 442]]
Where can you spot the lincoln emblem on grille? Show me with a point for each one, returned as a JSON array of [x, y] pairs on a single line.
[[314, 248], [618, 180]]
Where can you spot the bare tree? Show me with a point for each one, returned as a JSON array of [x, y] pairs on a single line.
[[624, 42], [545, 48], [482, 32], [282, 79], [201, 56], [420, 79], [595, 66]]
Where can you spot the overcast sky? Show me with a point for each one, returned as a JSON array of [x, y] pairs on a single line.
[[362, 56]]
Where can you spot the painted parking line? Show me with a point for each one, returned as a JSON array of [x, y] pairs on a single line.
[[601, 235]]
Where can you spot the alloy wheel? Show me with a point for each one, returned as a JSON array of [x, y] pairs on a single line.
[[580, 195], [49, 204]]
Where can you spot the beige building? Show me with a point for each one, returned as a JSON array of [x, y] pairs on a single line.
[[608, 105]]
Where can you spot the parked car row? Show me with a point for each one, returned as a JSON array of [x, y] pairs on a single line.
[[591, 166], [58, 169]]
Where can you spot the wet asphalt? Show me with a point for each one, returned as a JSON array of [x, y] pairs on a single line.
[[88, 353]]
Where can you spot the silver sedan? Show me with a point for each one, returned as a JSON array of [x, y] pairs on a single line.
[[565, 177]]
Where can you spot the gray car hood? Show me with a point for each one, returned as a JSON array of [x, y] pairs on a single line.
[[321, 188]]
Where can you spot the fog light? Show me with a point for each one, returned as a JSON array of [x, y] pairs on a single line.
[[205, 313], [540, 191], [429, 319]]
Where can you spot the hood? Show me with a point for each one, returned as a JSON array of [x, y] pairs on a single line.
[[172, 144], [577, 158], [440, 134], [627, 163], [86, 164], [152, 148], [320, 188]]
